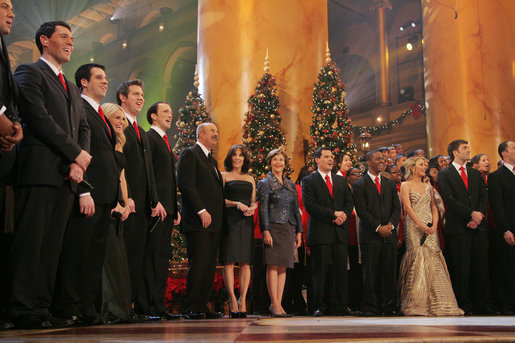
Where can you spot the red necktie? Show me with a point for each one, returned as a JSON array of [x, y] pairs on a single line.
[[61, 77], [329, 184], [486, 179], [165, 137], [464, 177], [136, 128], [378, 185], [101, 113]]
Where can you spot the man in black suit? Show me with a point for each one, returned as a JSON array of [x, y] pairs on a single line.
[[79, 279], [143, 198], [463, 191], [52, 159], [10, 134], [156, 260], [378, 207], [328, 200], [501, 191], [201, 187]]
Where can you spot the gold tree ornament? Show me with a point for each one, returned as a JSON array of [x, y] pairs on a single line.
[[195, 79], [267, 63], [327, 53]]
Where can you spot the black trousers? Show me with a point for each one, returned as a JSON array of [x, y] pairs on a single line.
[[135, 236], [202, 251], [41, 216], [468, 260], [379, 263], [355, 278], [321, 257], [151, 296], [79, 277]]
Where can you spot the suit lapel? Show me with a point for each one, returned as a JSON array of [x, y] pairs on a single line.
[[372, 186], [54, 78], [97, 117], [323, 185], [458, 178], [130, 128], [206, 161]]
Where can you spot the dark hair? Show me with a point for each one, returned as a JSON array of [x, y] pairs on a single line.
[[454, 146], [47, 29], [396, 145], [304, 171], [123, 88], [153, 109], [391, 148], [433, 162], [399, 157], [340, 157], [390, 166], [500, 163], [502, 147], [369, 154], [318, 152], [84, 72], [383, 148], [231, 153], [475, 159]]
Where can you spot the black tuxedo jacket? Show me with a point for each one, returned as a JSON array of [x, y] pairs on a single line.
[[164, 172], [376, 209], [139, 170], [102, 172], [8, 98], [459, 201], [201, 187], [54, 123], [321, 206], [501, 191]]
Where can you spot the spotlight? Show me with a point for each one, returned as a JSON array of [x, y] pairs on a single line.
[[91, 60], [409, 46], [161, 27], [379, 119], [401, 28], [124, 44], [412, 42], [413, 24]]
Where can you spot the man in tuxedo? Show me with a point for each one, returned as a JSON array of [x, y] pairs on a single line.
[[143, 198], [463, 191], [328, 200], [156, 260], [52, 159], [201, 187], [501, 191], [10, 134], [79, 279], [378, 207]]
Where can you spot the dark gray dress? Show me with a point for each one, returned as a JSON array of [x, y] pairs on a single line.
[[238, 232]]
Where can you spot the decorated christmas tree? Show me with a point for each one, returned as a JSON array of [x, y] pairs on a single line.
[[190, 116], [331, 125], [261, 127]]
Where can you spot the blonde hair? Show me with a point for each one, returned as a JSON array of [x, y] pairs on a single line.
[[110, 110], [409, 164]]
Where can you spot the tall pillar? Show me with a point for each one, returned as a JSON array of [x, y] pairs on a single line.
[[469, 67], [233, 37], [384, 58]]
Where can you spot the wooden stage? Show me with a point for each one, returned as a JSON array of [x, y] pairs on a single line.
[[296, 329]]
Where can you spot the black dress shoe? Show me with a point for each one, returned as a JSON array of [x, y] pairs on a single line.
[[346, 311], [83, 320], [391, 313], [213, 315], [58, 322], [6, 325], [193, 315], [171, 316], [318, 313], [138, 318], [242, 314], [153, 318], [32, 324]]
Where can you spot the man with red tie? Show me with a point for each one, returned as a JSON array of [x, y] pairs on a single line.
[[464, 193], [328, 200], [79, 280], [143, 197], [156, 260]]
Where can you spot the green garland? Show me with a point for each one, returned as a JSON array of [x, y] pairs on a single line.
[[415, 110]]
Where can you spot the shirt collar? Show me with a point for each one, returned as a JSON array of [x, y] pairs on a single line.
[[204, 149], [457, 166], [509, 166], [373, 177], [130, 118], [53, 67], [90, 101], [158, 130], [324, 175]]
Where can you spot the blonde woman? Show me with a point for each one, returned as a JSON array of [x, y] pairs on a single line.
[[425, 286]]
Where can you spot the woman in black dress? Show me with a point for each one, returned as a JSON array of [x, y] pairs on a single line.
[[279, 219], [116, 288], [238, 235]]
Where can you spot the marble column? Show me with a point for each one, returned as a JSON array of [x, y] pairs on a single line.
[[384, 58], [233, 37], [469, 67]]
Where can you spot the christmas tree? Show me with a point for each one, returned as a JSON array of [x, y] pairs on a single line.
[[261, 127], [331, 125], [190, 116]]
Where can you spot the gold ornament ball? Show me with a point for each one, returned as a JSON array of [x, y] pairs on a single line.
[[320, 126], [266, 167], [197, 122], [316, 133], [334, 90], [340, 134], [330, 72], [318, 109], [182, 124], [251, 170], [261, 133], [272, 116]]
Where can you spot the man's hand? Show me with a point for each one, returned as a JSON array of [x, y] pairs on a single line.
[[385, 230], [132, 205], [341, 217], [509, 238], [87, 205], [472, 225], [205, 217], [177, 221], [477, 217], [124, 211], [6, 126], [8, 142], [76, 173], [83, 159], [159, 211]]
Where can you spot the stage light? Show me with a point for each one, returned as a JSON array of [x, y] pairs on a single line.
[[409, 46], [401, 28], [91, 60], [379, 119], [161, 27], [124, 44], [413, 24]]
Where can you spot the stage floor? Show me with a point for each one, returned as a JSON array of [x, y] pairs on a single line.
[[297, 329]]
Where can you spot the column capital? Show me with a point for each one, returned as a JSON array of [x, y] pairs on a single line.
[[380, 4]]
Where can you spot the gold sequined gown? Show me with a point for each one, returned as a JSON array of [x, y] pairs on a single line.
[[425, 286]]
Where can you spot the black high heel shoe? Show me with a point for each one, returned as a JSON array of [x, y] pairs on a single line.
[[278, 315], [231, 313], [241, 314]]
